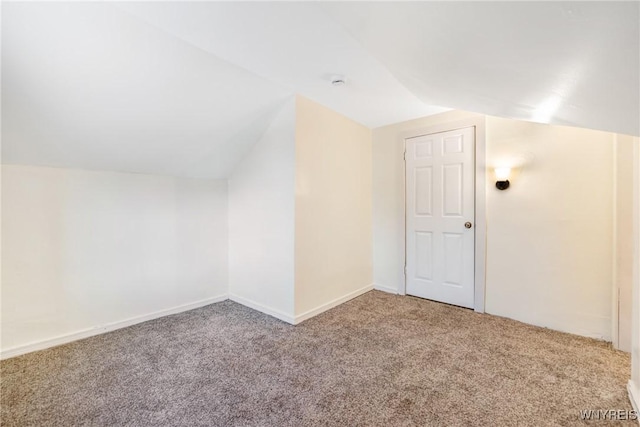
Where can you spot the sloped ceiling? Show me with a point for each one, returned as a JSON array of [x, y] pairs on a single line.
[[85, 85], [187, 88], [294, 45], [567, 63]]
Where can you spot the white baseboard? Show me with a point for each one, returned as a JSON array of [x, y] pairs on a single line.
[[634, 396], [262, 308], [329, 305], [384, 288], [101, 329]]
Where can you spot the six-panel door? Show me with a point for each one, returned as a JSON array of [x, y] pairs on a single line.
[[440, 201]]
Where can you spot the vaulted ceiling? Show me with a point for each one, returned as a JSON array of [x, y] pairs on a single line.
[[182, 88]]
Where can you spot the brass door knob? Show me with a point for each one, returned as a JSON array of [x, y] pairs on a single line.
[[467, 224]]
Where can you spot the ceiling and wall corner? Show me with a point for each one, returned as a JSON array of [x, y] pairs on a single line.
[[187, 88], [88, 86], [183, 89], [566, 63], [295, 45]]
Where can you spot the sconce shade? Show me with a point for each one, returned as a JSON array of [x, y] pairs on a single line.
[[502, 174]]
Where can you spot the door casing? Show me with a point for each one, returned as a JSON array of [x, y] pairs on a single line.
[[480, 222]]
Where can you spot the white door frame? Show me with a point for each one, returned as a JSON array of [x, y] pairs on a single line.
[[480, 222]]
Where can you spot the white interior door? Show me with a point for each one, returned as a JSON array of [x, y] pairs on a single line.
[[440, 216]]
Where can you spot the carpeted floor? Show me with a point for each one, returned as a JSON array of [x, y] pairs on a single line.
[[378, 360]]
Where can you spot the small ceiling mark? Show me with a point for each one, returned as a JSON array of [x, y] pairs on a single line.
[[338, 80]]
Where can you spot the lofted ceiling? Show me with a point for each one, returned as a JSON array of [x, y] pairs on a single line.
[[566, 63], [187, 88]]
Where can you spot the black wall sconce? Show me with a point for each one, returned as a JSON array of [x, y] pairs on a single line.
[[502, 178]]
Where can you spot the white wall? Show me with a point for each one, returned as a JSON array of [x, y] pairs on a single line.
[[87, 249], [261, 221], [300, 214], [623, 242], [333, 247], [550, 236], [634, 383], [541, 233]]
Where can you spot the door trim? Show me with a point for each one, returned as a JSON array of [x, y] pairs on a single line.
[[478, 123], [615, 289]]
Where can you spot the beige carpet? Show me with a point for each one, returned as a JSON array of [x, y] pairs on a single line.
[[378, 360]]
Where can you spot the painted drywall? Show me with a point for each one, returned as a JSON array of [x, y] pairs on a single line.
[[623, 243], [300, 214], [541, 233], [634, 383], [261, 221], [333, 246], [89, 86], [550, 236], [86, 249]]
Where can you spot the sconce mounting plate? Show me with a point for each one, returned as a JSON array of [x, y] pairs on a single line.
[[502, 185]]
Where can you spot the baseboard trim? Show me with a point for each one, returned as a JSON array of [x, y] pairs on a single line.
[[634, 396], [386, 289], [101, 329], [262, 308], [333, 303]]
